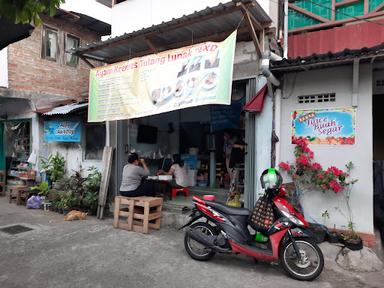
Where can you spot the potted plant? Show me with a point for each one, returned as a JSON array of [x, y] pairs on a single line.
[[54, 167], [310, 175], [76, 186], [92, 187], [42, 189]]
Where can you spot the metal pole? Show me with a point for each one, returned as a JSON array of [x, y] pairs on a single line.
[[286, 29], [107, 134]]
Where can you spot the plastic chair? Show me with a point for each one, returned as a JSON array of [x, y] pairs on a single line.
[[176, 190]]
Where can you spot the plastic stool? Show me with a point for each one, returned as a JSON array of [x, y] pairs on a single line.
[[175, 190]]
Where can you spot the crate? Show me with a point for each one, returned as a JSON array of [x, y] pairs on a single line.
[[140, 213]]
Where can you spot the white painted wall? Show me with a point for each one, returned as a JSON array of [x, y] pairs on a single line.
[[263, 141], [4, 68], [73, 153], [338, 80], [125, 15]]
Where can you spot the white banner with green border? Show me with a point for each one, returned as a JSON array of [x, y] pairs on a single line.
[[191, 76]]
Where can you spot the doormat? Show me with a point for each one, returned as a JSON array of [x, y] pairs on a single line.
[[15, 229]]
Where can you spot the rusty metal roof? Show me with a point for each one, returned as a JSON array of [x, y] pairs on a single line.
[[66, 109], [83, 20], [318, 61], [210, 24]]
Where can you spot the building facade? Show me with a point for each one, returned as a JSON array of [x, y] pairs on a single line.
[[38, 74], [335, 63]]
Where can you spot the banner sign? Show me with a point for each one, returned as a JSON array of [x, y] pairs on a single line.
[[325, 126], [62, 131], [190, 76]]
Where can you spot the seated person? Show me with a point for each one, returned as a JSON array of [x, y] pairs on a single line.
[[178, 171], [132, 182]]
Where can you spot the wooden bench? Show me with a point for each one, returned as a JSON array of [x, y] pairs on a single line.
[[143, 213]]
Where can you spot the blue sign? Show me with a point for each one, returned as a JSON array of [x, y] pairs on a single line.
[[190, 160], [225, 116], [62, 131]]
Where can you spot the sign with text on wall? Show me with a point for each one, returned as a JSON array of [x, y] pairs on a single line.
[[325, 126], [62, 131], [186, 77]]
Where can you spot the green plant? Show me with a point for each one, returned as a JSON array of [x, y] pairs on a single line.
[[76, 185], [53, 166], [42, 189], [92, 186], [27, 11], [67, 200]]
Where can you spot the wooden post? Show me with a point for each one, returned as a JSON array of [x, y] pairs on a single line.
[[107, 164]]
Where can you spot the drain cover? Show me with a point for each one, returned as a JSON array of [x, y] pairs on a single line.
[[15, 229]]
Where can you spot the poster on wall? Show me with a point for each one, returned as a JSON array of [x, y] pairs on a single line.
[[62, 131], [324, 126], [186, 77]]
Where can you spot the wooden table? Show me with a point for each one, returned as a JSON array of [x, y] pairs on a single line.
[[19, 193]]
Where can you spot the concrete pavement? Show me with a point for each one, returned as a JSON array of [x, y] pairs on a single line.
[[92, 253]]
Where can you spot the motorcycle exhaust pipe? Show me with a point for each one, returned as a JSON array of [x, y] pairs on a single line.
[[206, 240]]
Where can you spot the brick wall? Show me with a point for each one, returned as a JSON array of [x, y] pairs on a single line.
[[29, 72]]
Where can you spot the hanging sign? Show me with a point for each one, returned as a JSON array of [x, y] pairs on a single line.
[[190, 76], [324, 126], [62, 131]]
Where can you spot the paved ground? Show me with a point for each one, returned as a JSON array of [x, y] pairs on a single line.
[[92, 254]]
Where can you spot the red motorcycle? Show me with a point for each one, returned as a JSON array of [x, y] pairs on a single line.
[[225, 230]]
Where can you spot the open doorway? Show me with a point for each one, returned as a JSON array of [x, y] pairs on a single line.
[[378, 162]]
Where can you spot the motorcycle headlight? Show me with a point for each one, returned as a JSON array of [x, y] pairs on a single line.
[[292, 218]]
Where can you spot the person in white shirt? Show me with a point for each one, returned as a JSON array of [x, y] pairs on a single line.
[[178, 171]]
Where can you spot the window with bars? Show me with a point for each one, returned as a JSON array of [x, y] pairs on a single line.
[[317, 98]]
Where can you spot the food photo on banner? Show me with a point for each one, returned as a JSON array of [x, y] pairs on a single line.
[[62, 131], [191, 76], [325, 126]]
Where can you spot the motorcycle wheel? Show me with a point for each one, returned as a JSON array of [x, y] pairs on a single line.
[[309, 266], [196, 250]]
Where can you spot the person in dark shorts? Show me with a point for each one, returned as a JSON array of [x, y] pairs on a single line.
[[133, 182]]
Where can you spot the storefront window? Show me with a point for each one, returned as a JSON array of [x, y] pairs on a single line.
[[94, 141]]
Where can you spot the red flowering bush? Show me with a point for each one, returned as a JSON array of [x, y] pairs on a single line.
[[305, 171]]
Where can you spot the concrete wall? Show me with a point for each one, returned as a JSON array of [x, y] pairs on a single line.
[[4, 68], [29, 72], [74, 155], [338, 80], [154, 12]]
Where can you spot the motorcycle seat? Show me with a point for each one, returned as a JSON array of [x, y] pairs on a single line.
[[227, 209]]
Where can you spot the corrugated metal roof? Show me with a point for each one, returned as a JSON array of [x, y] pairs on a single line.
[[210, 24], [356, 36], [86, 21], [66, 109], [317, 61]]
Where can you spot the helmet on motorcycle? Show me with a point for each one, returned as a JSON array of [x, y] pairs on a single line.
[[271, 179]]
